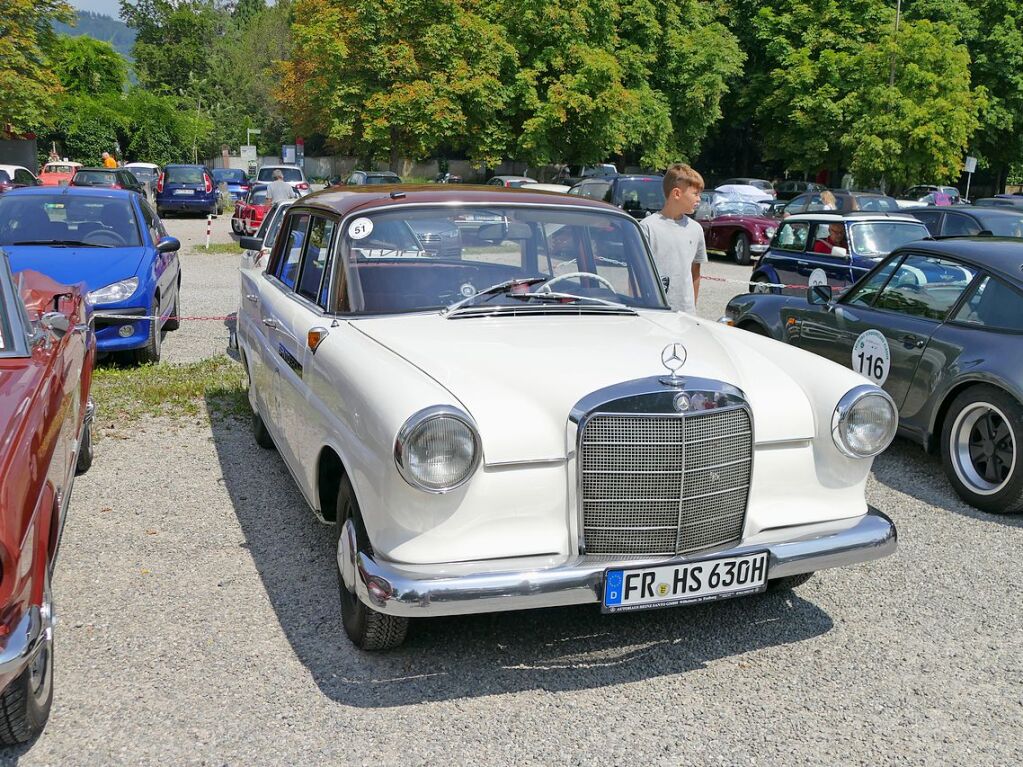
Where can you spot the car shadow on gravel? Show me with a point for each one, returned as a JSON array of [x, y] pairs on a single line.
[[557, 649], [906, 468]]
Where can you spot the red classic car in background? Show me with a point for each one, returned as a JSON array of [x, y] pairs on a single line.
[[735, 227], [46, 355], [250, 210], [58, 173]]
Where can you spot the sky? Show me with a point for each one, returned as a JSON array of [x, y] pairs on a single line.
[[108, 7]]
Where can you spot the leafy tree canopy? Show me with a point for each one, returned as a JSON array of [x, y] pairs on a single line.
[[85, 65]]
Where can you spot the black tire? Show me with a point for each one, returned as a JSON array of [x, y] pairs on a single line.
[[760, 283], [25, 703], [236, 225], [741, 249], [85, 453], [260, 432], [754, 328], [173, 323], [982, 449], [789, 582], [150, 353], [367, 628]]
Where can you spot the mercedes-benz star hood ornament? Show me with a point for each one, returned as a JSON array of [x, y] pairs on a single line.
[[673, 357]]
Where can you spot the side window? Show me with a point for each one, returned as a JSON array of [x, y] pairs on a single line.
[[931, 219], [792, 236], [797, 205], [606, 196], [956, 225], [828, 236], [22, 176], [152, 222], [925, 286], [314, 264], [576, 191], [288, 257], [865, 293], [993, 304]]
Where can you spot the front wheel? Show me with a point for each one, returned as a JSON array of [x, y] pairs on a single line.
[[154, 344], [25, 703], [367, 628], [741, 249], [981, 440], [236, 226]]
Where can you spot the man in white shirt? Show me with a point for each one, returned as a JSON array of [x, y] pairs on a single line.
[[280, 190], [676, 240]]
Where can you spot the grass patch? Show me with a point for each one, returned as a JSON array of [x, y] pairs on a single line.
[[217, 248], [216, 385]]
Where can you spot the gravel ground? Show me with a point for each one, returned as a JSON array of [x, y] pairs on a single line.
[[199, 625]]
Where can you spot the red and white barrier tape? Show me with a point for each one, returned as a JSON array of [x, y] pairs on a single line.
[[747, 283]]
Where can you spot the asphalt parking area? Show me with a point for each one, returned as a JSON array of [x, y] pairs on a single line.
[[199, 624]]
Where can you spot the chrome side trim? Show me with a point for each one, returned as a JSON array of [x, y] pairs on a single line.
[[482, 587]]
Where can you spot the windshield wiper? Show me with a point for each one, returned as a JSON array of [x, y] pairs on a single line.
[[493, 290], [62, 243]]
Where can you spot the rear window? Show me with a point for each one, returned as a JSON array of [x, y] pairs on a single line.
[[97, 177], [143, 174], [258, 196], [873, 203], [290, 174], [184, 175], [642, 194], [382, 180], [230, 175]]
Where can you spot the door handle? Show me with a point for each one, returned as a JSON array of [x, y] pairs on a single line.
[[252, 297], [270, 322], [912, 341]]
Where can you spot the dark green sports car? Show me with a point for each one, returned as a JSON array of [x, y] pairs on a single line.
[[938, 324]]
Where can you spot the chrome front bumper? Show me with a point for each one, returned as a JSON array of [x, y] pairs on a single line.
[[483, 587], [24, 642]]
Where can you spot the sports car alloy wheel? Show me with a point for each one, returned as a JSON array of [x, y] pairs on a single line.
[[741, 249], [981, 448]]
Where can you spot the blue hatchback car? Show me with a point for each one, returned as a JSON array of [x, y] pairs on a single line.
[[237, 182], [110, 240], [187, 189]]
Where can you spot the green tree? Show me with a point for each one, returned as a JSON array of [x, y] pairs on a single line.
[[85, 65], [86, 126], [28, 87], [399, 77]]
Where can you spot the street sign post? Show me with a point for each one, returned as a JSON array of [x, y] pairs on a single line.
[[970, 167]]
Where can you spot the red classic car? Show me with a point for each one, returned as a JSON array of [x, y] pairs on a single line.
[[250, 210], [736, 227], [58, 173], [47, 351]]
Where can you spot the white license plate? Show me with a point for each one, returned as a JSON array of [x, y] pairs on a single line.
[[184, 191], [679, 583]]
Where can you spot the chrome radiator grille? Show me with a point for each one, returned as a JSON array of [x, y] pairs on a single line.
[[660, 485]]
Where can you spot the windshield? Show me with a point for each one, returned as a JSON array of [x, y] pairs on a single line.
[[230, 175], [879, 238], [67, 221], [258, 195], [1003, 226], [58, 168], [290, 174], [642, 194], [735, 208], [428, 258], [95, 178], [185, 175]]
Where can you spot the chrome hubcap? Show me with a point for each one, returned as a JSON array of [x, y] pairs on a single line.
[[983, 448], [39, 670]]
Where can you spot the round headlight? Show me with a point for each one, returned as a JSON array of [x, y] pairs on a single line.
[[437, 449], [864, 422]]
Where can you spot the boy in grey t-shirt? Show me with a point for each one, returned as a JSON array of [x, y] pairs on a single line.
[[676, 240]]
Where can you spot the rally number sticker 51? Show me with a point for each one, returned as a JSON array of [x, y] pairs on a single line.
[[871, 356]]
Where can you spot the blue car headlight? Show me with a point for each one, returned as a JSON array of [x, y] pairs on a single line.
[[114, 292]]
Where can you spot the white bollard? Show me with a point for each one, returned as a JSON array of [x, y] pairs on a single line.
[[209, 223]]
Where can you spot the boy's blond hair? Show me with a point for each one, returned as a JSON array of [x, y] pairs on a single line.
[[682, 176]]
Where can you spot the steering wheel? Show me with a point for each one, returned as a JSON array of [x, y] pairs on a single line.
[[105, 237], [546, 287]]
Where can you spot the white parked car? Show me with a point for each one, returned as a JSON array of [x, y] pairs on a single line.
[[525, 423], [293, 174]]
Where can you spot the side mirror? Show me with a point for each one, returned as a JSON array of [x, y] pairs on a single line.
[[839, 252], [250, 243], [665, 281], [819, 295], [168, 245], [56, 322]]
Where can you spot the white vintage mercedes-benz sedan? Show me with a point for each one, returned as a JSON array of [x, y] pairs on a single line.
[[487, 395]]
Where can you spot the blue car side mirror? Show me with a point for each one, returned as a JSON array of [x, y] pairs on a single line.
[[168, 245]]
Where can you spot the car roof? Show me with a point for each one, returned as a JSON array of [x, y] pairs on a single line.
[[345, 199], [998, 254], [970, 210], [859, 215], [106, 170], [73, 191], [11, 168]]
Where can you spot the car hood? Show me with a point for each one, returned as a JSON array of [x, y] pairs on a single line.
[[95, 267], [519, 377]]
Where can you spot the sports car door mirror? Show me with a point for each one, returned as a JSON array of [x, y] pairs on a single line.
[[839, 252], [168, 245], [56, 322], [819, 295]]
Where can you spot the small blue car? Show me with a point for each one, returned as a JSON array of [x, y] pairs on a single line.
[[110, 240], [187, 189]]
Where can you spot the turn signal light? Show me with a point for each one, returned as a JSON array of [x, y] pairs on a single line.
[[315, 337]]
